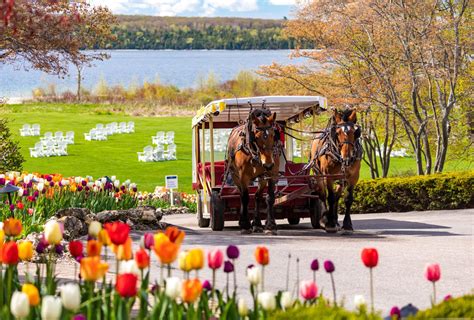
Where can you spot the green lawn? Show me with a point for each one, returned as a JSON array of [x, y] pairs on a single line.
[[118, 155]]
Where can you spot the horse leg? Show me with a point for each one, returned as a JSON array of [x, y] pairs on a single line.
[[338, 193], [270, 224], [349, 198], [331, 214], [257, 222], [244, 221]]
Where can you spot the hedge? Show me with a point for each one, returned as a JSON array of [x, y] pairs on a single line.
[[418, 193], [455, 308]]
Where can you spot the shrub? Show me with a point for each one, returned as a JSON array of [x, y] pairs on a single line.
[[431, 192], [10, 156], [462, 308]]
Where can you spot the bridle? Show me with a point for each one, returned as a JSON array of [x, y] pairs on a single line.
[[346, 128]]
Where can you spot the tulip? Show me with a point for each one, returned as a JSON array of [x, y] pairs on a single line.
[[196, 258], [314, 268], [79, 317], [184, 262], [75, 248], [40, 186], [191, 290], [94, 228], [10, 253], [129, 266], [126, 285], [93, 269], [232, 252], [2, 234], [308, 290], [123, 251], [71, 296], [175, 235], [148, 240], [215, 259], [104, 238], [51, 308], [242, 307], [359, 300], [118, 232], [52, 232], [330, 268], [12, 227], [228, 267], [448, 297], [25, 250], [370, 258], [254, 275], [267, 301], [262, 256], [433, 274], [286, 300], [142, 259], [395, 313], [206, 285], [20, 305], [32, 292], [166, 250], [94, 248], [173, 287], [41, 246]]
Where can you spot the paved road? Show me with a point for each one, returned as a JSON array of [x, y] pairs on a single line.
[[406, 243]]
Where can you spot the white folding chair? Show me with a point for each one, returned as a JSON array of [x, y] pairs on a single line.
[[146, 155], [89, 136], [25, 130], [171, 152], [35, 130], [69, 137], [169, 137], [100, 135], [109, 129], [61, 148], [58, 136], [122, 127], [37, 151], [114, 127], [49, 149], [99, 126], [159, 138], [131, 127]]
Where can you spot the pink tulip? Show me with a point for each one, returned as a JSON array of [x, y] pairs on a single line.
[[215, 258], [308, 290], [432, 272]]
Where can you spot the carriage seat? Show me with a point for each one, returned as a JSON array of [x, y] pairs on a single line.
[[219, 170], [292, 168]]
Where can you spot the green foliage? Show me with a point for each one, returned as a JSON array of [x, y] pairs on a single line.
[[10, 155], [430, 192], [461, 308]]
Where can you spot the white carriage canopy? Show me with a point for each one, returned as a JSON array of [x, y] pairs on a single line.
[[289, 109]]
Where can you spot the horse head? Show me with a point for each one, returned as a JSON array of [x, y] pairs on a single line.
[[264, 136], [345, 132]]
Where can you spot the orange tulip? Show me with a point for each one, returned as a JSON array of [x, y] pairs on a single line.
[[262, 256], [94, 248], [123, 251], [191, 290], [166, 250], [104, 237], [175, 235], [93, 269], [32, 292], [12, 227], [142, 259], [25, 250]]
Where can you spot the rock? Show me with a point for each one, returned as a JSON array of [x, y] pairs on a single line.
[[79, 213], [73, 227]]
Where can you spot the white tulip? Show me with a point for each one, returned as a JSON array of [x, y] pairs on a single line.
[[94, 228], [90, 184], [40, 186], [286, 300], [359, 300], [20, 305], [52, 232], [77, 180], [51, 308], [267, 301], [129, 266], [20, 192], [71, 296], [173, 287], [11, 176], [113, 178], [2, 176], [117, 183], [242, 307], [103, 180], [133, 185], [127, 182], [27, 179], [254, 275]]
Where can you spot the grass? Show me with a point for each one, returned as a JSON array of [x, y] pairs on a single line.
[[118, 155]]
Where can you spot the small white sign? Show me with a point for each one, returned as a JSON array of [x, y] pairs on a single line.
[[171, 182]]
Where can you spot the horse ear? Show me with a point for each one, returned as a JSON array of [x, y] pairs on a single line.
[[256, 120], [272, 118], [337, 116], [353, 116]]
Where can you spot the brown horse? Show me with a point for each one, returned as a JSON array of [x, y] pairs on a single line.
[[252, 153], [338, 151]]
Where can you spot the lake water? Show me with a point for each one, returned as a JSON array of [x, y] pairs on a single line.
[[180, 68]]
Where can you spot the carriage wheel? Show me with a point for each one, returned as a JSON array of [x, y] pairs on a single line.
[[294, 220], [202, 222], [217, 212], [315, 212]]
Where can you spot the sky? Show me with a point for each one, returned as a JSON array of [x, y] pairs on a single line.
[[270, 9]]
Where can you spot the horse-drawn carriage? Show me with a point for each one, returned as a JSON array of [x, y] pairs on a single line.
[[223, 130]]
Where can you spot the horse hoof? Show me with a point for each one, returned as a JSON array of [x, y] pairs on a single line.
[[257, 229], [347, 232], [246, 231], [331, 229], [271, 232]]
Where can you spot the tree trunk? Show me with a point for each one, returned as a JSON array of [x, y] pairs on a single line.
[[79, 80]]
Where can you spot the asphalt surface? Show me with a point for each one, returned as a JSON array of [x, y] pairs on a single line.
[[406, 242]]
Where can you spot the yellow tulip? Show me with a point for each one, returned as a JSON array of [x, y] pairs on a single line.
[[2, 236], [184, 262], [25, 250], [52, 232], [104, 238], [92, 268], [196, 257], [123, 251], [32, 292]]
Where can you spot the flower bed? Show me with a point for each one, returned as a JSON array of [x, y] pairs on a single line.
[[98, 293]]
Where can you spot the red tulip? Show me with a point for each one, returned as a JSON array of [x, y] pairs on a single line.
[[118, 232], [126, 285], [10, 253], [370, 257], [308, 290], [262, 256], [142, 259], [215, 258], [432, 272], [76, 248]]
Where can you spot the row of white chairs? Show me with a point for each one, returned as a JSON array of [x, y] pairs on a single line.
[[58, 137], [158, 153], [162, 137], [30, 130], [101, 132], [49, 149]]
